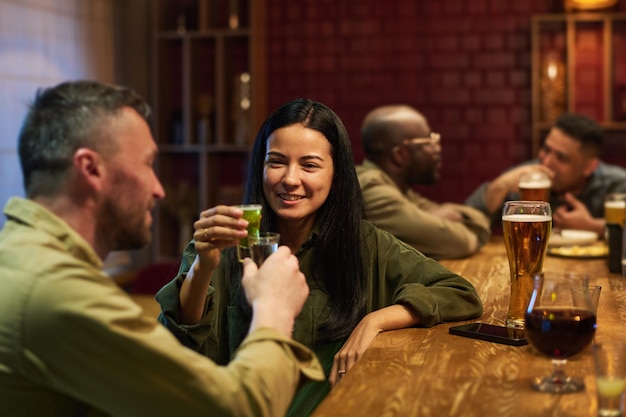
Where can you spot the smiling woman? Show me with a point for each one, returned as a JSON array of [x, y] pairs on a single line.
[[361, 280], [297, 178]]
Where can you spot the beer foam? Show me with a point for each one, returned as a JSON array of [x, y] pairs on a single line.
[[541, 183], [526, 218], [616, 204]]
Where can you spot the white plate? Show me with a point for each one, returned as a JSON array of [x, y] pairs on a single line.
[[570, 237]]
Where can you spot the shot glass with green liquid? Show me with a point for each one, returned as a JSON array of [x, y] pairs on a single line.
[[252, 213]]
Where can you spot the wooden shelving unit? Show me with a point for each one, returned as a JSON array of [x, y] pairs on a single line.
[[567, 39], [208, 95]]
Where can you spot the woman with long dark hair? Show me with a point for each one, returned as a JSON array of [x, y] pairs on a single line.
[[362, 280]]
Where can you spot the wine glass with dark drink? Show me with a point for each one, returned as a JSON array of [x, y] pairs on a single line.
[[560, 322]]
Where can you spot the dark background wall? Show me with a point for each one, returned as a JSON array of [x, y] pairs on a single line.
[[464, 64]]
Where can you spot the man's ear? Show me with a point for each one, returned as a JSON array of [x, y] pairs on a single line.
[[89, 166], [591, 166], [399, 155]]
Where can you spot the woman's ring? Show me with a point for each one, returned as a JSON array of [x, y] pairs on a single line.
[[206, 234], [341, 371]]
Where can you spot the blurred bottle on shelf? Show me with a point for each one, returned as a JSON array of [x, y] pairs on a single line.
[[552, 86], [204, 114], [233, 14], [177, 134], [242, 109]]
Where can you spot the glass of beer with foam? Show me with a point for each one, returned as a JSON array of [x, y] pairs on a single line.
[[526, 227], [534, 186], [614, 214], [614, 208]]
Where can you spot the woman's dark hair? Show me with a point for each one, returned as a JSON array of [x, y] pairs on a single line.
[[338, 262]]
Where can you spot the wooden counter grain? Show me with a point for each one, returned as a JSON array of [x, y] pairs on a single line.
[[429, 372]]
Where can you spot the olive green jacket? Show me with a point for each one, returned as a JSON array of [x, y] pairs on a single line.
[[396, 273], [408, 216]]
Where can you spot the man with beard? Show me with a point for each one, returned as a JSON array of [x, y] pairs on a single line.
[[72, 343], [401, 151]]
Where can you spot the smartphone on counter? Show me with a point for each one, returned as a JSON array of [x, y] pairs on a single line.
[[491, 333]]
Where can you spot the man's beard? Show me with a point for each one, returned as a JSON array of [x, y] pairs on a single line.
[[429, 177], [123, 229]]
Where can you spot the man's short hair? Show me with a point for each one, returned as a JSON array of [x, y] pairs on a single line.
[[64, 118], [583, 129]]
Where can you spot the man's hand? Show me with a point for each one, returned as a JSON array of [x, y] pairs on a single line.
[[447, 213], [277, 290], [507, 183], [574, 215]]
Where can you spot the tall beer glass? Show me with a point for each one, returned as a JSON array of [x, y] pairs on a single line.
[[526, 227], [614, 214], [534, 186], [614, 208]]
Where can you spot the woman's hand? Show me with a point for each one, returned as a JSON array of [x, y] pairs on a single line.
[[358, 342], [216, 229], [396, 316]]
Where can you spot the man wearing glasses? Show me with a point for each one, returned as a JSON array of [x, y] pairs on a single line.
[[401, 151]]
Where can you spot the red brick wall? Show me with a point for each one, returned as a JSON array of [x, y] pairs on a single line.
[[464, 64]]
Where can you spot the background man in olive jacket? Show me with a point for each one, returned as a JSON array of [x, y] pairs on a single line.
[[401, 151]]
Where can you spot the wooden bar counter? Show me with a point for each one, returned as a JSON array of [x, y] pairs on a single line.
[[429, 372]]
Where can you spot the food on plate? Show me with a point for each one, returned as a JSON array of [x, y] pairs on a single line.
[[582, 251]]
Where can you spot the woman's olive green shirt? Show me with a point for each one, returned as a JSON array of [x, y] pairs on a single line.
[[396, 274]]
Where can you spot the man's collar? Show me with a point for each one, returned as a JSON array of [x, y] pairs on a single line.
[[36, 216]]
